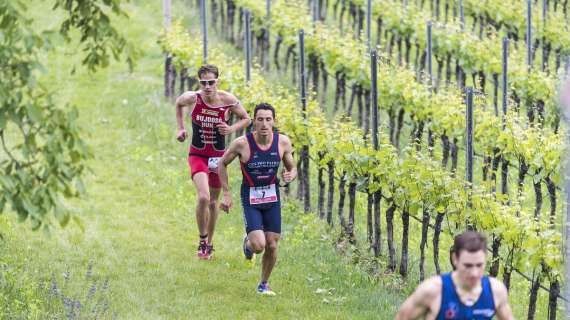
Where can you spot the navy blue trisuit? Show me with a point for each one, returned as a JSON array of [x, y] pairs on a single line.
[[453, 309], [260, 187]]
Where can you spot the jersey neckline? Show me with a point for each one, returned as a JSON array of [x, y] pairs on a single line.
[[478, 298], [210, 106]]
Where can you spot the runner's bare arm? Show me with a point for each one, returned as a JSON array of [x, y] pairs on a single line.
[[502, 307], [185, 102], [290, 171], [417, 305], [239, 111], [231, 153]]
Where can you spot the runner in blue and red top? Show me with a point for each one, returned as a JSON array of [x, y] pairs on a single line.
[[465, 293], [260, 154], [208, 108]]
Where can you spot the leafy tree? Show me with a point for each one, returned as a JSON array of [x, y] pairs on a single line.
[[42, 154]]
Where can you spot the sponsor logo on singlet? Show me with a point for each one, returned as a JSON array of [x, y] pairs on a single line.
[[208, 122], [484, 312], [263, 164], [210, 112], [451, 311]]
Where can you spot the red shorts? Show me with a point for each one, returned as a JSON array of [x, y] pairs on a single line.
[[200, 164]]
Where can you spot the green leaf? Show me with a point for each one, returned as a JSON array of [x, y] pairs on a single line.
[[34, 112], [78, 222], [62, 216]]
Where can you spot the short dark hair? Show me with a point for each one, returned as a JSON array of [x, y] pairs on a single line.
[[208, 68], [264, 106], [470, 241]]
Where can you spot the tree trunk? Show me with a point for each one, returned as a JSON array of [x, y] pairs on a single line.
[[486, 165], [496, 93], [314, 68], [367, 118], [379, 31], [223, 28], [495, 261], [300, 171], [353, 96], [306, 178], [553, 299], [369, 220], [523, 169], [399, 128], [325, 85], [231, 15], [183, 77], [377, 224], [533, 297], [445, 150], [391, 46], [454, 150], [431, 143], [400, 54], [167, 75], [495, 168], [408, 50], [439, 62], [290, 52], [405, 232], [390, 235], [214, 14], [321, 183], [330, 199], [351, 206], [341, 18], [342, 195], [392, 125], [552, 196], [504, 175], [278, 42], [436, 233], [425, 226], [538, 199]]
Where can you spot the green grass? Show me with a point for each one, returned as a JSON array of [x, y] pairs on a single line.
[[137, 227]]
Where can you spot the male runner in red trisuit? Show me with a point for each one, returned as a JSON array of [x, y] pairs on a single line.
[[209, 108]]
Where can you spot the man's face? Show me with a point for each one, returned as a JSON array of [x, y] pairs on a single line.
[[470, 267], [208, 83], [263, 122]]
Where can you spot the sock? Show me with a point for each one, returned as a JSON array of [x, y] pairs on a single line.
[[203, 237]]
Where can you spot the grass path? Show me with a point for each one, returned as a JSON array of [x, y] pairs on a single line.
[[139, 231]]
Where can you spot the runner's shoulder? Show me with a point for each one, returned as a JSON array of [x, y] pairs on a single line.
[[498, 287], [429, 289], [227, 98], [186, 98], [283, 139], [240, 142]]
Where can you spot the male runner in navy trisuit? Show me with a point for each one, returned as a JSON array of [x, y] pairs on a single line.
[[260, 153], [462, 294]]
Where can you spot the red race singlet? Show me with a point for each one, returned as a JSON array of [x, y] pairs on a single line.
[[207, 141]]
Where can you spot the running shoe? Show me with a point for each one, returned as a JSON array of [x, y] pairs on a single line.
[[264, 289], [203, 250], [246, 251], [210, 251]]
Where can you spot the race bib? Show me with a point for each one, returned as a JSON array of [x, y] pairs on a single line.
[[213, 164], [263, 194]]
